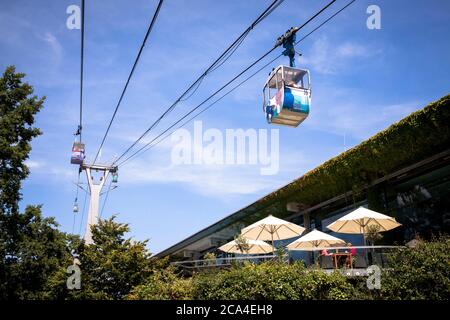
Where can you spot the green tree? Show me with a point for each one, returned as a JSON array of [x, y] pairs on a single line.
[[112, 265], [373, 234], [32, 252], [32, 249], [242, 243], [17, 110]]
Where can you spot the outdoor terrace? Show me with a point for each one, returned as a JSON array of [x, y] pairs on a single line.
[[365, 257]]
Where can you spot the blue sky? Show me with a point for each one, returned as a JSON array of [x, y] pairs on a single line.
[[363, 80]]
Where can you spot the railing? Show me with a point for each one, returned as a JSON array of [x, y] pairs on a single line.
[[223, 262], [370, 255], [356, 247]]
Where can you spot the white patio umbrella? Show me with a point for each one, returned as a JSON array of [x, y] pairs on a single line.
[[315, 239], [359, 220], [272, 228], [255, 247]]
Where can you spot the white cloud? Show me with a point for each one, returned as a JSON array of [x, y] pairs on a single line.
[[353, 118], [352, 50], [55, 46], [215, 180], [33, 164], [318, 58], [326, 57], [45, 173]]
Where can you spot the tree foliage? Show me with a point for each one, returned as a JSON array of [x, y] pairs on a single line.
[[413, 274], [163, 284], [422, 272], [32, 249], [373, 234], [242, 243], [271, 281], [17, 110], [32, 252], [112, 265]]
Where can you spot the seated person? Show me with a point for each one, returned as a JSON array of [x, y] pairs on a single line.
[[352, 250], [349, 260]]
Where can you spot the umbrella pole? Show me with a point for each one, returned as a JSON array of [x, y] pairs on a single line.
[[361, 229], [273, 247], [366, 253]]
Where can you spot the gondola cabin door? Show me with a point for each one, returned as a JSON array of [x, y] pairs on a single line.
[[287, 96]]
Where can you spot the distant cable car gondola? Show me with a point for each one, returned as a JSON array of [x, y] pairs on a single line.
[[287, 91], [77, 153], [75, 207], [115, 177]]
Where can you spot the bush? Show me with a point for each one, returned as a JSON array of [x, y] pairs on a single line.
[[422, 272], [414, 273], [271, 281], [164, 284]]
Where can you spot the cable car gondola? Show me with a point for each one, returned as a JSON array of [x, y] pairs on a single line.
[[287, 91], [77, 153], [287, 96]]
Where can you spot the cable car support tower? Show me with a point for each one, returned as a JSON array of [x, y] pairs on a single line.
[[95, 187]]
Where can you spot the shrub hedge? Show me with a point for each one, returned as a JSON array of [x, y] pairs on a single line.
[[415, 273], [271, 281]]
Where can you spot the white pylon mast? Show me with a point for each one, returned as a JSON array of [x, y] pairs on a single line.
[[95, 188]]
